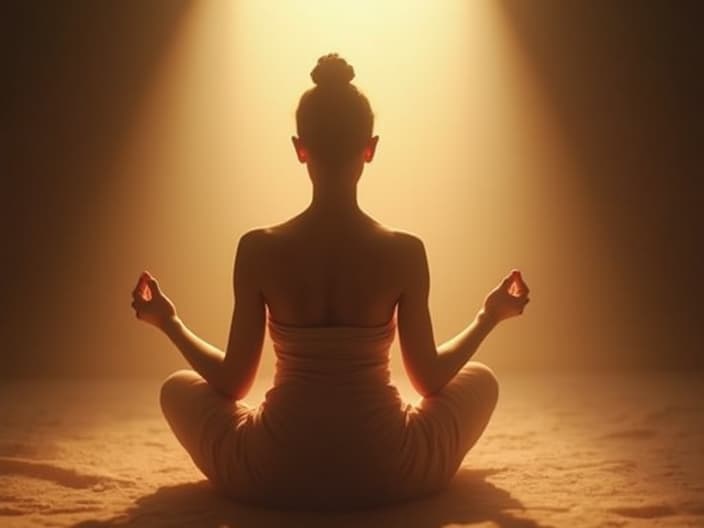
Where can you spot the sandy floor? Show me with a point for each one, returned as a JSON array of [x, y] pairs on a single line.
[[561, 450]]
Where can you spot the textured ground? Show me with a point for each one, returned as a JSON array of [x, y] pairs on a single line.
[[562, 450]]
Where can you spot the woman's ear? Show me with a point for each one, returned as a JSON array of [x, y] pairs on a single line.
[[370, 149], [301, 152]]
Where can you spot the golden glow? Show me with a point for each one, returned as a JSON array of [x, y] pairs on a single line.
[[419, 64], [470, 158]]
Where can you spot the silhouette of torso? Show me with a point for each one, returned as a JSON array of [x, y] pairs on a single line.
[[330, 273]]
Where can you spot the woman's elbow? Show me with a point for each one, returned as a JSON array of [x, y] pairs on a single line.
[[226, 388], [426, 387], [431, 390], [236, 389], [235, 384]]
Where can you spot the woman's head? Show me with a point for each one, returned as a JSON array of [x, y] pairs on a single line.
[[334, 119]]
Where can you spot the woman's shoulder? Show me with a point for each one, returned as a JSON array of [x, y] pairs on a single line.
[[402, 238], [254, 236], [264, 238]]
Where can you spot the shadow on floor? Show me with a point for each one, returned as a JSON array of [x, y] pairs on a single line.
[[469, 499]]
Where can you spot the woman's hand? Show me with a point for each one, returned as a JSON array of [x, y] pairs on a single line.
[[508, 299], [150, 304]]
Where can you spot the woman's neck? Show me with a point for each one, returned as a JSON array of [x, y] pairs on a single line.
[[335, 202]]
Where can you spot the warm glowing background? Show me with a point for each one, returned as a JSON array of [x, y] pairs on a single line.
[[559, 139]]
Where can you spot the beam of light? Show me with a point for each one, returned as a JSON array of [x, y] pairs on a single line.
[[443, 81], [214, 136], [468, 158]]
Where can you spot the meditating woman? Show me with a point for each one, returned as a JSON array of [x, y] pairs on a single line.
[[332, 285]]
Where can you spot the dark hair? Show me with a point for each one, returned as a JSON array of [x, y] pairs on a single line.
[[334, 119]]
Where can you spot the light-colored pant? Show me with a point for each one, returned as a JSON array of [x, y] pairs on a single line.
[[441, 428]]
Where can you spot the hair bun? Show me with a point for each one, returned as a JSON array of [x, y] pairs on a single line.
[[332, 70]]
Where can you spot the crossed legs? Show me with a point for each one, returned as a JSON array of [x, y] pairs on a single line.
[[451, 421], [200, 418]]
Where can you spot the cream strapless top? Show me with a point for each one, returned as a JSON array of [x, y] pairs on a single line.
[[343, 356]]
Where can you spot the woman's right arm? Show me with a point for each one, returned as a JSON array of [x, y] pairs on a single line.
[[429, 367]]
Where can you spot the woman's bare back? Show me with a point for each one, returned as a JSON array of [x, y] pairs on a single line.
[[316, 273]]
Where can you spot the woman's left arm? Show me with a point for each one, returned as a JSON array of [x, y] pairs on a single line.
[[204, 358], [230, 373]]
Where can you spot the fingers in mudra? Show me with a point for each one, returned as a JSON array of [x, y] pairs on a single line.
[[139, 295], [509, 298], [519, 290], [144, 290], [517, 286], [148, 301], [141, 292]]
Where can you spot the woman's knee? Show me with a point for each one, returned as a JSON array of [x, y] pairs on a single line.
[[174, 385], [486, 378]]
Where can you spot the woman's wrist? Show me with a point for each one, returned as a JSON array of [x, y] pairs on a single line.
[[486, 319], [172, 326]]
